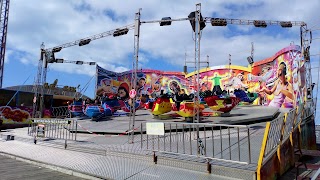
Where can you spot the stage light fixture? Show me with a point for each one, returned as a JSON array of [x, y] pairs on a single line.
[[285, 24], [192, 21], [250, 60], [59, 60], [218, 22], [84, 42], [309, 93], [165, 23], [185, 69], [56, 49], [50, 58], [258, 23], [120, 32], [79, 62], [306, 54]]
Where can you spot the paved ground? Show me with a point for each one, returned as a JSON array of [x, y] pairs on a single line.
[[92, 166], [11, 168]]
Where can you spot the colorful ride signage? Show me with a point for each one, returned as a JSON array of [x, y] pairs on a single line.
[[132, 93]]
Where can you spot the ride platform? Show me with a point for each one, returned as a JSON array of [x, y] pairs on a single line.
[[241, 115]]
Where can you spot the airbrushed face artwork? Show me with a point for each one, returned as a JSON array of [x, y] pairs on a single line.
[[280, 77]]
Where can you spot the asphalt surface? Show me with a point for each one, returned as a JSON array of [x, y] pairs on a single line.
[[13, 169]]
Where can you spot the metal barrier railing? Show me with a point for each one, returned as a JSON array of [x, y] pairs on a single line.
[[210, 141], [65, 129], [283, 126], [59, 112], [274, 135], [289, 123]]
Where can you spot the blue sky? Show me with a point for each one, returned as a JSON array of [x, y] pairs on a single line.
[[56, 22]]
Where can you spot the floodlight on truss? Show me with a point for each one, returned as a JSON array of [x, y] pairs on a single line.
[[59, 60], [120, 32], [84, 42], [185, 69], [286, 24], [306, 54], [56, 49], [79, 62], [192, 20], [165, 21], [50, 57], [250, 60], [258, 23], [218, 22]]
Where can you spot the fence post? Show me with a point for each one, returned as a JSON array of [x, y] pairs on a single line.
[[75, 136], [65, 144], [141, 135], [221, 142], [208, 166], [177, 138], [28, 128], [263, 148], [248, 129], [155, 158]]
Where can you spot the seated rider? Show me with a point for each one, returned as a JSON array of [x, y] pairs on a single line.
[[104, 97]]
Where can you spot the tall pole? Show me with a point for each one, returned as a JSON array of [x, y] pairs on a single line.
[[315, 110], [207, 71], [47, 55], [135, 67], [4, 16], [197, 32], [230, 64], [37, 84], [196, 99], [252, 50]]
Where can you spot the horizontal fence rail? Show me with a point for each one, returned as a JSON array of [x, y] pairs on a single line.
[[210, 141], [65, 129]]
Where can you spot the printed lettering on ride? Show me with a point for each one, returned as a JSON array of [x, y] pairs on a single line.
[[132, 93], [51, 121]]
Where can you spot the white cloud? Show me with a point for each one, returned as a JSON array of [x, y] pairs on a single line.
[[58, 22]]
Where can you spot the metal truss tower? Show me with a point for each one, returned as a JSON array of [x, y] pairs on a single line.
[[306, 36], [135, 66], [37, 84], [197, 36], [3, 34]]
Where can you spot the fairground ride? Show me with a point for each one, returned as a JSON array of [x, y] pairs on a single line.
[[198, 23]]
